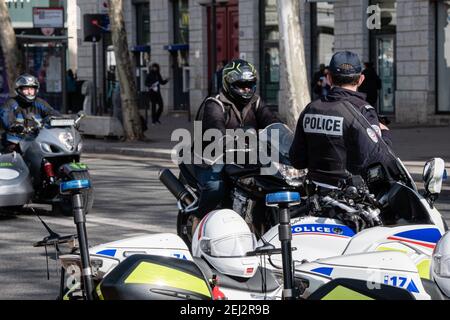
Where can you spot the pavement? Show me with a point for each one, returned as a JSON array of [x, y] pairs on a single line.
[[411, 144]]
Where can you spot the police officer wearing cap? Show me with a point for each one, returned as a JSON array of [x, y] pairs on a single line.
[[339, 135], [22, 111]]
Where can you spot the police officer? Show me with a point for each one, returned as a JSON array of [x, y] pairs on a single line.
[[236, 106], [340, 135], [23, 111]]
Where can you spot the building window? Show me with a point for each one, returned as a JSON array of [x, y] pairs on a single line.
[[181, 21], [322, 28], [322, 42], [443, 56], [270, 52], [142, 23]]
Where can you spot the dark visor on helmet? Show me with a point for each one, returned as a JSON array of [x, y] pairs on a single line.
[[245, 84]]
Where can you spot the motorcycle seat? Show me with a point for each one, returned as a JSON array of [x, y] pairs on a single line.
[[254, 284]]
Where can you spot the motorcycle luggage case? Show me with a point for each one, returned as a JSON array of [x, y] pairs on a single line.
[[15, 183], [148, 277]]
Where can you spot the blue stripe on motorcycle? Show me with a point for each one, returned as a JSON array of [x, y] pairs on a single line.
[[412, 287], [109, 252], [323, 270], [429, 235]]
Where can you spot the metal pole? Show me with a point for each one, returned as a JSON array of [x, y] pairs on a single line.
[[213, 39], [94, 67], [63, 80], [80, 221], [285, 236]]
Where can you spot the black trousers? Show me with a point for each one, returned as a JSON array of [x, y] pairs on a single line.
[[157, 105]]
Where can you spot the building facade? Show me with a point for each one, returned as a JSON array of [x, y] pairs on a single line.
[[42, 32], [408, 41]]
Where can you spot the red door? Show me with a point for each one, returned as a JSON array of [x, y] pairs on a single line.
[[227, 34]]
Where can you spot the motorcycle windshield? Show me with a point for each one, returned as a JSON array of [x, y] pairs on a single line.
[[281, 136]]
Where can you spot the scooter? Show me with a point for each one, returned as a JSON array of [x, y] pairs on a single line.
[[50, 154]]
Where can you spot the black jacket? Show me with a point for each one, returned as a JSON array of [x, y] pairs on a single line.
[[154, 81], [254, 115], [15, 110], [338, 136]]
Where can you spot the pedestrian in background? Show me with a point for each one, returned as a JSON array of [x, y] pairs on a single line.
[[325, 84], [316, 83], [371, 84], [71, 89], [154, 80]]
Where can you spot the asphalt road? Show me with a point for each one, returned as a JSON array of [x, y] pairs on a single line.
[[129, 201]]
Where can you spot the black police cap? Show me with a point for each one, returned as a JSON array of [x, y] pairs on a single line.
[[345, 63]]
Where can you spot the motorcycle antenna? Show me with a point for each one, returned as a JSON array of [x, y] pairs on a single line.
[[52, 236]]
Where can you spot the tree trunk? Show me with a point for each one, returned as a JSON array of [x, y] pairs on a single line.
[[293, 53], [128, 90], [8, 43]]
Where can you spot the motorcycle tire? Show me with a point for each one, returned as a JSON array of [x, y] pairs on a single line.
[[64, 207]]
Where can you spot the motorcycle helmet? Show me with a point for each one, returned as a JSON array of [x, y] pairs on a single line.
[[239, 81], [26, 80], [223, 239], [440, 264]]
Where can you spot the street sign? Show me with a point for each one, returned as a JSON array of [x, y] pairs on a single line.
[[48, 17]]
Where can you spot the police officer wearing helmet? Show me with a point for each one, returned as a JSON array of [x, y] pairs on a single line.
[[23, 111], [340, 135], [236, 106]]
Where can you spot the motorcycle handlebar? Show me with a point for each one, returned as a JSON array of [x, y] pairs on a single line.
[[175, 187]]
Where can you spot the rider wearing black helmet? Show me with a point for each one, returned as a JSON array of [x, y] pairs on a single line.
[[236, 106], [22, 111]]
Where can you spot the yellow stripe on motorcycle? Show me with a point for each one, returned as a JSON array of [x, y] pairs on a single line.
[[391, 249], [150, 273], [343, 293], [424, 268], [99, 292]]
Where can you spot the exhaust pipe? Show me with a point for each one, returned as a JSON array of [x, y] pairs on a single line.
[[175, 187]]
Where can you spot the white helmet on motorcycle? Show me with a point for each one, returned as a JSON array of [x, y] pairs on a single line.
[[223, 238], [440, 264]]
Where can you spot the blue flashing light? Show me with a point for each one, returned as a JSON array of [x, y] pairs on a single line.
[[75, 185], [282, 198]]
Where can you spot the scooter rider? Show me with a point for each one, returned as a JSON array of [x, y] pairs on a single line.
[[236, 106], [340, 135], [22, 111]]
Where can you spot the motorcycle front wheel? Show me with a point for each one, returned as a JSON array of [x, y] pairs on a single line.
[[65, 207]]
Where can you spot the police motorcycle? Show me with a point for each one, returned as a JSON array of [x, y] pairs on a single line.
[[366, 259], [248, 183], [51, 151], [354, 243], [378, 263]]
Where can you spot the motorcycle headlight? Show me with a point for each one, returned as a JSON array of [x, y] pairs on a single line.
[[66, 138], [46, 148], [80, 147], [290, 174]]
